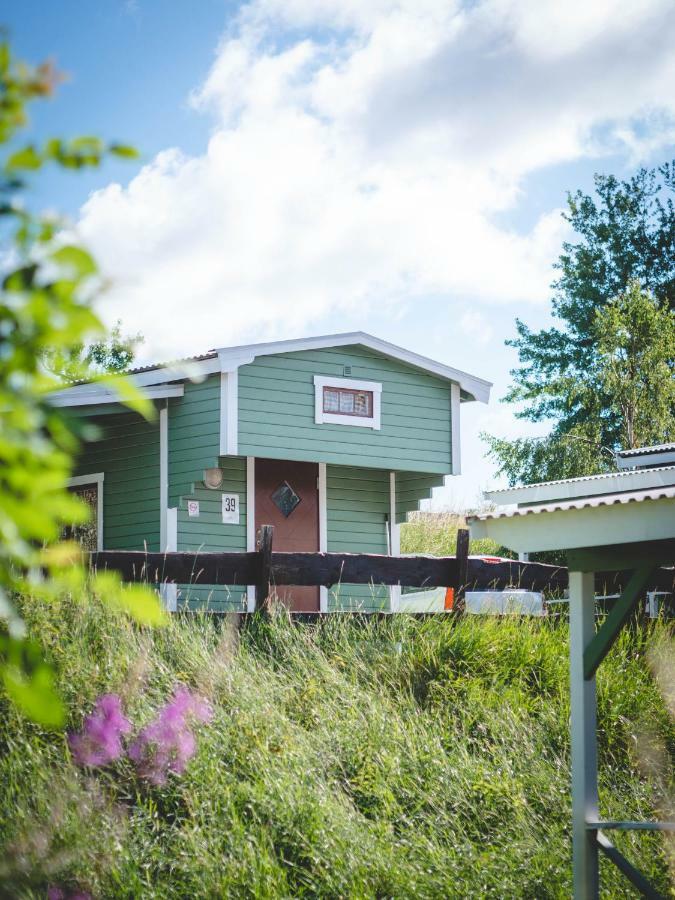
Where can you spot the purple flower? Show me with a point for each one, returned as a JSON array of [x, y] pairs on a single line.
[[56, 893], [100, 740], [168, 743]]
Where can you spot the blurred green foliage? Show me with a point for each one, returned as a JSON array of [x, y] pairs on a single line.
[[45, 312]]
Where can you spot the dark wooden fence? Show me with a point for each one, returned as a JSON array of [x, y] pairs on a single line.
[[266, 568]]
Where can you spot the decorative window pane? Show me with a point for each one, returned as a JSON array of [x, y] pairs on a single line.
[[331, 400], [348, 402], [85, 533], [285, 499], [362, 403]]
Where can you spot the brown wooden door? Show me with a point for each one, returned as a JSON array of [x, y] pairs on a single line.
[[287, 497]]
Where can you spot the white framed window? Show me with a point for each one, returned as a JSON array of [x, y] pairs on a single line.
[[89, 488], [347, 401]]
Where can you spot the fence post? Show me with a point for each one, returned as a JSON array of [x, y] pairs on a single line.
[[262, 588], [462, 557]]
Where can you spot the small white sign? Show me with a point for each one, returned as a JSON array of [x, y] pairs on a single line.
[[193, 507], [231, 509]]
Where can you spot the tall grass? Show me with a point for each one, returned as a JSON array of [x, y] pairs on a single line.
[[436, 533], [348, 758]]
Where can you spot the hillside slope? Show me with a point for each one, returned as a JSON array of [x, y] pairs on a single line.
[[390, 758]]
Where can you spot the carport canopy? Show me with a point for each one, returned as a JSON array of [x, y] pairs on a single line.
[[612, 522]]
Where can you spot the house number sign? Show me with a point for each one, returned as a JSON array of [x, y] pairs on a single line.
[[230, 509]]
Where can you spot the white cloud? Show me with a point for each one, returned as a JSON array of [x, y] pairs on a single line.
[[476, 326], [360, 154]]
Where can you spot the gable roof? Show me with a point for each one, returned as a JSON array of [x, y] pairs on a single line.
[[475, 388], [228, 359]]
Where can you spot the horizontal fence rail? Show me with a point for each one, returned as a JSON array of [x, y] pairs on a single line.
[[328, 569]]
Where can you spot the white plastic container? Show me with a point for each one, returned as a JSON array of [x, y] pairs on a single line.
[[505, 603]]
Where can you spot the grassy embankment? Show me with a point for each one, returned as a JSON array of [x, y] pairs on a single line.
[[394, 758], [398, 758], [436, 533]]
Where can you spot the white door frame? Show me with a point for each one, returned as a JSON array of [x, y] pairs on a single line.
[[96, 478]]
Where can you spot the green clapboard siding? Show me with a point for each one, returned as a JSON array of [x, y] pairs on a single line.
[[276, 412], [411, 488], [208, 533], [357, 501], [194, 435], [128, 455]]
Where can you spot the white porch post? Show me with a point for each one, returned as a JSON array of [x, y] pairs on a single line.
[[394, 542], [163, 474], [584, 744], [323, 530], [250, 524], [169, 591]]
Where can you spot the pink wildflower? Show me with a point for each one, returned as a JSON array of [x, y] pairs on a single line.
[[168, 743], [56, 893], [100, 740]]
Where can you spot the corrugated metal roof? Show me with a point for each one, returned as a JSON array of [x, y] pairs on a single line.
[[664, 493], [647, 451], [581, 480], [174, 362]]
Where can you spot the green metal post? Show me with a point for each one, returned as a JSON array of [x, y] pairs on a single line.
[[584, 746]]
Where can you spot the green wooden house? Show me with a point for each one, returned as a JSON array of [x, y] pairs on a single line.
[[333, 440]]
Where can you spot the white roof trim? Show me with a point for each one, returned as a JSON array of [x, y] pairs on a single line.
[[94, 395], [591, 485], [232, 357], [228, 359]]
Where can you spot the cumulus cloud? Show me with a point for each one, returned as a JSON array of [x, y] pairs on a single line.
[[360, 154]]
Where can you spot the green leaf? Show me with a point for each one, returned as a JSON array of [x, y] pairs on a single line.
[[142, 604], [29, 682], [76, 258], [138, 600], [86, 143], [124, 151], [129, 395], [26, 158]]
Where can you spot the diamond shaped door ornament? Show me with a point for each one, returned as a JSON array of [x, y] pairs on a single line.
[[285, 499]]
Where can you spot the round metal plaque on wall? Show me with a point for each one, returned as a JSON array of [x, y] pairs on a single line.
[[213, 478]]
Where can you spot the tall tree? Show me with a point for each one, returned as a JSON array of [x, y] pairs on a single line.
[[636, 347], [113, 354], [626, 233]]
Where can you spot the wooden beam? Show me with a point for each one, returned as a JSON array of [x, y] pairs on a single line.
[[362, 568], [353, 568], [179, 567], [262, 585], [462, 557], [608, 632]]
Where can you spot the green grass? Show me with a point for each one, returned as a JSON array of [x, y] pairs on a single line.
[[436, 533], [351, 758]]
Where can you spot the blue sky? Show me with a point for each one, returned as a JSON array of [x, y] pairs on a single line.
[[309, 166]]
